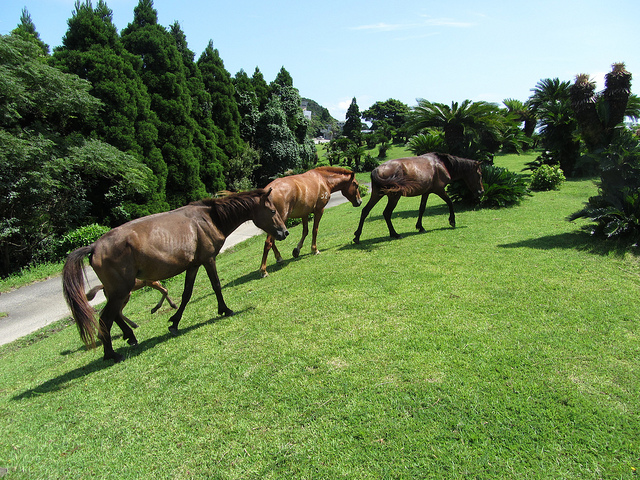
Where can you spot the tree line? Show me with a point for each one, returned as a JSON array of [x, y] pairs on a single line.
[[113, 125]]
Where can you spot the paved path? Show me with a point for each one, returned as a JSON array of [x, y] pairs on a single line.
[[35, 306]]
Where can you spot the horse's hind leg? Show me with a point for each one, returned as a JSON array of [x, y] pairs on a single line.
[[391, 205], [269, 243], [423, 205], [165, 295], [110, 314], [305, 232], [317, 216]]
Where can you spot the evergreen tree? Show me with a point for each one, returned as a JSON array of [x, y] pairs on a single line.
[[26, 30], [207, 139], [218, 83], [261, 89], [92, 49], [353, 126], [165, 76]]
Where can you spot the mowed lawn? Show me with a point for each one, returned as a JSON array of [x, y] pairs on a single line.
[[507, 347]]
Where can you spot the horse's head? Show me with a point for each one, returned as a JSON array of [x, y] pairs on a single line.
[[474, 180], [352, 191], [268, 219]]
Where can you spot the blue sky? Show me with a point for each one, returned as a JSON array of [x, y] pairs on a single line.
[[375, 50]]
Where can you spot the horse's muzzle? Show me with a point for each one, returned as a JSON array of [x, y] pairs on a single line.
[[357, 202], [282, 233]]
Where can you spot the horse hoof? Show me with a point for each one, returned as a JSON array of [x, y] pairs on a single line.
[[173, 331], [356, 240], [263, 274], [296, 252], [116, 357], [132, 341]]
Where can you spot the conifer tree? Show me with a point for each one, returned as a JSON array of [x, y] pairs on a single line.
[[207, 139], [26, 30], [261, 89], [224, 109], [353, 126], [91, 49], [165, 76]]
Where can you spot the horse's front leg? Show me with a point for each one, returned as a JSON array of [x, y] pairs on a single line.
[[305, 232], [189, 280], [268, 244], [452, 215], [317, 216], [423, 205], [210, 266], [391, 205], [375, 198]]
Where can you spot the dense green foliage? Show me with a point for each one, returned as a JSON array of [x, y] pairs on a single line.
[[616, 208], [502, 188], [53, 178]]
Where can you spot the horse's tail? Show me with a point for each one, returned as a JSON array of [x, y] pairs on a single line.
[[396, 182], [73, 288]]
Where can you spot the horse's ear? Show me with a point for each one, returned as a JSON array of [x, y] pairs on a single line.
[[268, 192]]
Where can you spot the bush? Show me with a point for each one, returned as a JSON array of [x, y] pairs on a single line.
[[502, 188], [426, 142], [547, 177], [616, 208], [77, 238]]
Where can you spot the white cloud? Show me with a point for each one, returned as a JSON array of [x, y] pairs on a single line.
[[427, 22]]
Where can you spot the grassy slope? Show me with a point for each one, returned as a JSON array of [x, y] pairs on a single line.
[[505, 348]]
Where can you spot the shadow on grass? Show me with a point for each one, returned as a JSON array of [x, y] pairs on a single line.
[[59, 382], [578, 240]]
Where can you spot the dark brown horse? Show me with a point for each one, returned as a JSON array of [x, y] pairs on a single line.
[[413, 176], [157, 247], [298, 196]]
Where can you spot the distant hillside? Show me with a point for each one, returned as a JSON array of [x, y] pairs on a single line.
[[321, 119]]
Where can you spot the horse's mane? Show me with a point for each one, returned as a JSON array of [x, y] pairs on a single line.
[[336, 170], [456, 166], [230, 205]]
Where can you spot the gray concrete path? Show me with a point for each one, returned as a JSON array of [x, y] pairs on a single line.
[[35, 306]]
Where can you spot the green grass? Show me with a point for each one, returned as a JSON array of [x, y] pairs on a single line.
[[505, 348]]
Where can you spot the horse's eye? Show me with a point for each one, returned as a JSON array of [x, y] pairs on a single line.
[[273, 212]]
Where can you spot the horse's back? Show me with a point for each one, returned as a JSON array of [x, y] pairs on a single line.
[[154, 247], [411, 175], [297, 195]]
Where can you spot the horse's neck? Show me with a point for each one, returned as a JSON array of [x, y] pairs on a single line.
[[335, 181], [232, 222]]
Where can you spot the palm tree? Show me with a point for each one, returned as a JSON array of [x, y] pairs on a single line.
[[552, 105], [468, 127], [523, 112]]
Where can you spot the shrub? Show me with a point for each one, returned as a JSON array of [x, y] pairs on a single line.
[[426, 142], [616, 208], [79, 237], [547, 177], [369, 163], [501, 188]]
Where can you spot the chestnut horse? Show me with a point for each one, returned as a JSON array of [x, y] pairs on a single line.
[[157, 247], [298, 196], [413, 176]]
